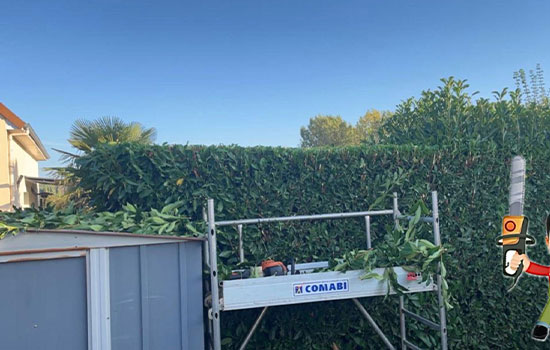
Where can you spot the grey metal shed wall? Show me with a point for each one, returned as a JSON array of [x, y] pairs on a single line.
[[43, 305], [156, 297]]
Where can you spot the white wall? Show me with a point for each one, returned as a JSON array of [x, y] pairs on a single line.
[[21, 163], [5, 190]]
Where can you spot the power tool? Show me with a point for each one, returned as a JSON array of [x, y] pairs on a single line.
[[273, 268], [514, 236]]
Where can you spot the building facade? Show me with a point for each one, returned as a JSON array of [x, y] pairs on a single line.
[[20, 152]]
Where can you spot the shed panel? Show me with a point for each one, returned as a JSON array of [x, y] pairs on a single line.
[[125, 298], [163, 299], [156, 297], [43, 305], [191, 287]]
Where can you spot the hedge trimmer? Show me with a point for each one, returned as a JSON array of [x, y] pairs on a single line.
[[514, 236]]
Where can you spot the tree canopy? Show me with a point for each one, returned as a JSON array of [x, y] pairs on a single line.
[[87, 134], [327, 130], [450, 116]]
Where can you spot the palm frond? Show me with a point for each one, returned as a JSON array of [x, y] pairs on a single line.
[[86, 135]]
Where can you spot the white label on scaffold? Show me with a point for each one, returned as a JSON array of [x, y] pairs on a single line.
[[320, 287]]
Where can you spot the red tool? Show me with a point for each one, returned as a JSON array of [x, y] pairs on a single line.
[[273, 268]]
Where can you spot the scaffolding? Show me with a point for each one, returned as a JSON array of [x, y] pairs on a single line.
[[301, 288]]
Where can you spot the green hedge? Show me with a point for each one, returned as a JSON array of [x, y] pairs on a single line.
[[472, 181]]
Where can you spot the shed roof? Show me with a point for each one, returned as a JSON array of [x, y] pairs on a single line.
[[46, 241]]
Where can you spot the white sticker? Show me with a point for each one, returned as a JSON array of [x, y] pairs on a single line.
[[320, 287]]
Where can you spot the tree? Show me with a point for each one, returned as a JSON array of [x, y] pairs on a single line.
[[533, 91], [87, 134], [327, 130], [334, 131], [368, 125], [450, 117]]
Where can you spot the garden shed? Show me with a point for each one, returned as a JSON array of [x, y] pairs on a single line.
[[67, 289]]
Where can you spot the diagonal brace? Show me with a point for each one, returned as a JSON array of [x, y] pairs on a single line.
[[373, 324], [253, 329]]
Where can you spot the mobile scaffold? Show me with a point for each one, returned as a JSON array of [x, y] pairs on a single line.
[[321, 286]]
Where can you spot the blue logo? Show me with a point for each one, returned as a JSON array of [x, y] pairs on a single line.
[[321, 287]]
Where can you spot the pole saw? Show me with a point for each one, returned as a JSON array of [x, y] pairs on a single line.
[[514, 236]]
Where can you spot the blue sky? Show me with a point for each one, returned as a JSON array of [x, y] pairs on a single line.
[[251, 72]]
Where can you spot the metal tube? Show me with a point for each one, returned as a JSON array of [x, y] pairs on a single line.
[[373, 324], [214, 276], [241, 250], [422, 218], [437, 241], [367, 224], [395, 210], [411, 345], [435, 216], [402, 325], [421, 319], [206, 245], [304, 217], [253, 329]]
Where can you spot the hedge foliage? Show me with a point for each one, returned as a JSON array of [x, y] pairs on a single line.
[[166, 221], [463, 151], [261, 182]]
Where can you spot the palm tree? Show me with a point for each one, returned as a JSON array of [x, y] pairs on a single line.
[[85, 136], [88, 134]]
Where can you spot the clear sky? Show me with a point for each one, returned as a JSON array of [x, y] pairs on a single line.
[[251, 72]]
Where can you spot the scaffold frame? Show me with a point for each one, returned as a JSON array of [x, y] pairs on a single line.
[[267, 292]]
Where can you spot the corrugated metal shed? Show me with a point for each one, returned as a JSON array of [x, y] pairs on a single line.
[[100, 291]]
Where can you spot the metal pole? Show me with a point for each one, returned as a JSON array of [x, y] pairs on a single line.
[[214, 276], [402, 322], [395, 210], [206, 245], [367, 223], [304, 217], [435, 216], [373, 324], [437, 241], [422, 218], [241, 250], [253, 329], [422, 320]]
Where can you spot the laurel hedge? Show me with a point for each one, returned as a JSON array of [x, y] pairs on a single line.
[[462, 150], [471, 180]]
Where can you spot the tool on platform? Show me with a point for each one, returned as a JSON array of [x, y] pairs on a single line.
[[273, 268]]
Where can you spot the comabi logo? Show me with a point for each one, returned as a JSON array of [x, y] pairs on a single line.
[[321, 287]]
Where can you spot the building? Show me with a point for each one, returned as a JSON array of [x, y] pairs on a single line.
[[20, 152]]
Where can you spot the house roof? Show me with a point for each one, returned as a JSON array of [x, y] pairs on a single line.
[[11, 117], [24, 134], [40, 180]]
